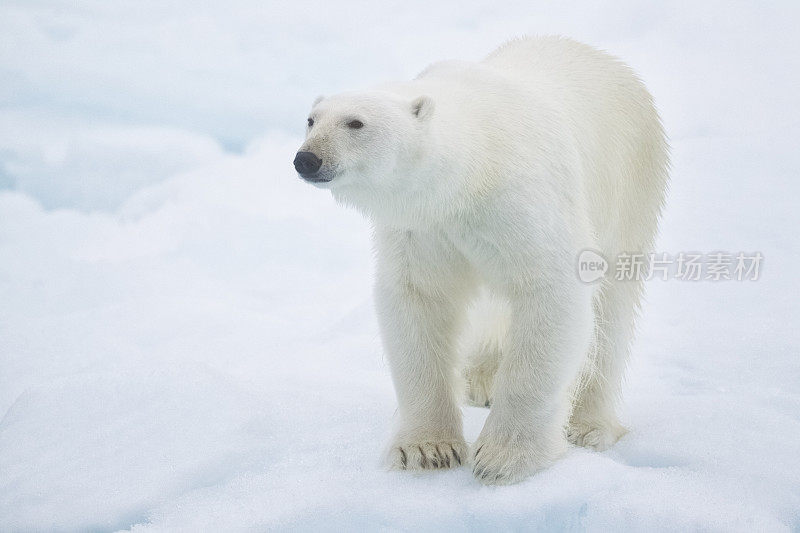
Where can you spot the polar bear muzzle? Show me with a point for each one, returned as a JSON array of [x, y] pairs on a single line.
[[307, 165]]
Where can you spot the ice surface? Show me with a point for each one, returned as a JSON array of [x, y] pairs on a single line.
[[187, 340]]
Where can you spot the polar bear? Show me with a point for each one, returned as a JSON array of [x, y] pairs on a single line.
[[484, 182]]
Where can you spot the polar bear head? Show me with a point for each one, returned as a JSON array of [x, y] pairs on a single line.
[[364, 145]]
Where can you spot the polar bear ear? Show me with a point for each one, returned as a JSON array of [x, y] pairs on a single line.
[[318, 100], [422, 107]]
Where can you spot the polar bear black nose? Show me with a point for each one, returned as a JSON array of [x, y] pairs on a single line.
[[307, 163]]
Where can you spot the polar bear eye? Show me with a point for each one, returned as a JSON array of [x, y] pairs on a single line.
[[355, 124]]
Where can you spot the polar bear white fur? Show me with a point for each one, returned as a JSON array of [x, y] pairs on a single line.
[[484, 182]]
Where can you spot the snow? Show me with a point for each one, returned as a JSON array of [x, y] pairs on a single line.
[[187, 340]]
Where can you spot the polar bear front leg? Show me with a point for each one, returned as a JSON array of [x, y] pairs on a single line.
[[420, 296], [549, 333]]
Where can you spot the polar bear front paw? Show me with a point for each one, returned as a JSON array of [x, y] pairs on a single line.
[[597, 436], [429, 455], [497, 462]]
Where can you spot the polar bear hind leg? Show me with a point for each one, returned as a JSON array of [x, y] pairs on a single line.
[[594, 422], [482, 343]]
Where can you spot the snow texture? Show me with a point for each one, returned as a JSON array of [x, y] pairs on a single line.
[[187, 339]]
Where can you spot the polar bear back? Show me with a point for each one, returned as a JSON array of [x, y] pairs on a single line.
[[578, 106], [612, 118]]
